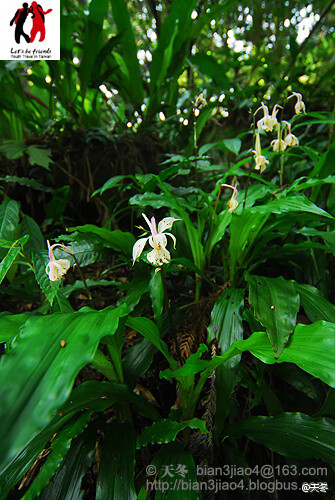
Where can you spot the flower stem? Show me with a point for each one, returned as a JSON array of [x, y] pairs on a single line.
[[246, 188], [281, 170], [81, 275], [212, 223], [195, 145], [254, 140], [168, 310], [281, 157]]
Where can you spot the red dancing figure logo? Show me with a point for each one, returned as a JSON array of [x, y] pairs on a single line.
[[38, 21], [20, 17]]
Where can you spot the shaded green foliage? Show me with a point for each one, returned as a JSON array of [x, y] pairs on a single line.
[[223, 353]]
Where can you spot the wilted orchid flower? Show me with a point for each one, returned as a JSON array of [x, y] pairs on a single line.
[[279, 144], [299, 105], [158, 241], [232, 203], [200, 101], [56, 268], [260, 160], [290, 139], [268, 121]]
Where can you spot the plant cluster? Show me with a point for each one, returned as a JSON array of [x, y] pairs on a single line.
[[247, 274], [133, 357]]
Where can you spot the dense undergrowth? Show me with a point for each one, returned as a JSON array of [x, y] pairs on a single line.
[[155, 349], [168, 319]]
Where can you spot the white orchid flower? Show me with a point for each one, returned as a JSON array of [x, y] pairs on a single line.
[[260, 160], [56, 268], [157, 240], [299, 105], [232, 203], [268, 121], [279, 144], [290, 139]]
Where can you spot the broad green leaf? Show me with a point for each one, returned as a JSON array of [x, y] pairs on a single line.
[[118, 240], [328, 407], [194, 234], [244, 229], [41, 368], [40, 260], [291, 204], [303, 183], [36, 239], [233, 145], [117, 467], [12, 253], [327, 236], [137, 360], [156, 292], [325, 166], [294, 435], [315, 305], [226, 326], [155, 200], [39, 156], [310, 347], [59, 447], [221, 222], [9, 219], [67, 290], [189, 391], [192, 365], [276, 304], [165, 431], [10, 324], [66, 484], [255, 193], [149, 330], [61, 304], [331, 200], [88, 248]]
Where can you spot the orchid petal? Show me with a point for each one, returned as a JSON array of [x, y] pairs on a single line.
[[63, 264], [158, 240], [138, 248], [57, 268], [159, 256], [147, 221], [166, 224], [232, 205], [173, 238]]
